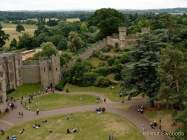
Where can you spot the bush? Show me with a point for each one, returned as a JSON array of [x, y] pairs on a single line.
[[103, 56], [124, 58], [88, 79], [64, 58], [106, 49], [60, 85], [103, 82], [113, 61], [117, 49], [103, 71]]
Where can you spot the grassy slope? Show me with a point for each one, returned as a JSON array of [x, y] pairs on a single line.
[[91, 127], [25, 90], [54, 101], [111, 93]]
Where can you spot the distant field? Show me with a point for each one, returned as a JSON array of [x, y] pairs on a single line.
[[10, 29]]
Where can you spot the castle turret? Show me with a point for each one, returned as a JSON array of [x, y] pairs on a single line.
[[122, 36], [50, 71]]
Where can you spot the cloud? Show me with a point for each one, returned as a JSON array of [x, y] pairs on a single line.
[[89, 4]]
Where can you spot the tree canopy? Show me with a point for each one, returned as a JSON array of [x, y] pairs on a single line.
[[108, 20]]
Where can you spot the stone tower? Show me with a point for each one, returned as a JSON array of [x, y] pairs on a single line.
[[56, 71], [50, 71], [2, 88], [12, 64], [122, 36]]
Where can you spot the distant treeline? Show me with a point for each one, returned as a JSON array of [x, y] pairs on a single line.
[[24, 15]]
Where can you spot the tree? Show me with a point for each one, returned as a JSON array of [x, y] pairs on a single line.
[[108, 21], [26, 41], [62, 45], [48, 49], [173, 72], [3, 37], [20, 28], [52, 22], [140, 74], [78, 71], [74, 41], [14, 44]]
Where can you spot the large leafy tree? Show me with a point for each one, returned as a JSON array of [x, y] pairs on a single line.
[[48, 49], [173, 72], [3, 37], [140, 74], [108, 21], [27, 42], [20, 28], [74, 41]]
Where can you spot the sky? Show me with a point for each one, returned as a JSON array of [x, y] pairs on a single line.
[[88, 4]]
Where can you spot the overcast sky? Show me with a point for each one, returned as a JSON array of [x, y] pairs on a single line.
[[88, 4]]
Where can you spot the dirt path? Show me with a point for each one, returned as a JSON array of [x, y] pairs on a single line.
[[136, 118]]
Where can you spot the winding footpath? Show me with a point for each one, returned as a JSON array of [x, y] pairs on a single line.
[[11, 119]]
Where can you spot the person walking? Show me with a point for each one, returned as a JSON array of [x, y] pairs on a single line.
[[37, 112]]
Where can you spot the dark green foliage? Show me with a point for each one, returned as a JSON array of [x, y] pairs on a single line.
[[103, 70], [14, 44], [62, 44], [20, 28], [103, 82], [108, 21], [60, 85], [88, 79], [78, 72], [3, 37], [48, 49], [52, 22], [64, 59], [141, 72], [28, 42]]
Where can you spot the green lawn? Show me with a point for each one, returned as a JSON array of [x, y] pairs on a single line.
[[111, 93], [91, 127], [54, 101], [25, 90]]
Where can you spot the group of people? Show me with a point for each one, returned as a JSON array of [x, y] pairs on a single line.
[[20, 115], [100, 109], [72, 130], [154, 124], [140, 108]]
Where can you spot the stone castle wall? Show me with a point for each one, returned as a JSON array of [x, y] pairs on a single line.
[[14, 72], [2, 87], [31, 74]]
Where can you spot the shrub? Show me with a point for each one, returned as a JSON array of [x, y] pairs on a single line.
[[60, 85], [103, 82], [124, 58], [64, 58], [103, 56], [88, 79], [106, 49], [103, 71]]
